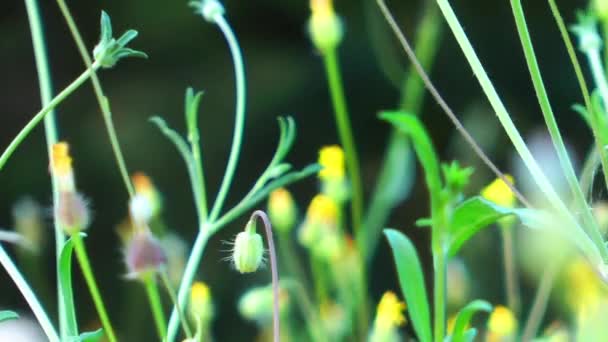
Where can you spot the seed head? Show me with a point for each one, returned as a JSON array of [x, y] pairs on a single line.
[[72, 212], [144, 255]]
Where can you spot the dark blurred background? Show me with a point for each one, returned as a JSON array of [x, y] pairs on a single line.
[[285, 76]]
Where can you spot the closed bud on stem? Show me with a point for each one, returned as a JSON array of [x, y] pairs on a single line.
[[248, 252], [73, 212], [144, 255], [282, 210], [201, 305], [324, 26], [256, 304]]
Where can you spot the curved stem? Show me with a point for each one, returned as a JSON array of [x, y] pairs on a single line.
[[87, 271], [336, 89], [173, 296], [50, 129], [237, 137], [104, 105], [539, 306], [25, 131], [28, 294], [156, 307], [274, 268]]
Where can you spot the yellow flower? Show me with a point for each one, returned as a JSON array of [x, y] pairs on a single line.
[[389, 313], [282, 210], [322, 209], [201, 306], [501, 324], [331, 158], [500, 193], [61, 166], [145, 189], [324, 26], [319, 230]]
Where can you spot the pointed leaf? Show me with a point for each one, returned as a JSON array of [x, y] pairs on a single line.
[[65, 280], [127, 37], [411, 280], [464, 318], [91, 336], [193, 101], [6, 315], [106, 27]]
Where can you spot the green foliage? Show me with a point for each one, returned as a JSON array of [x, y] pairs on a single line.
[[65, 279], [463, 319], [110, 50], [411, 280], [91, 336], [6, 315]]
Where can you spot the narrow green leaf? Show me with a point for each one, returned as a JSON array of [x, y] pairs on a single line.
[[6, 315], [193, 101], [411, 280], [126, 37], [65, 279], [469, 335], [91, 336], [464, 318], [106, 27]]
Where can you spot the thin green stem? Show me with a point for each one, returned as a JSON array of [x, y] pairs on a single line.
[[239, 123], [541, 299], [28, 294], [201, 192], [439, 288], [87, 271], [511, 279], [25, 131], [104, 105], [539, 177], [156, 306], [336, 89], [597, 71], [589, 223], [173, 296]]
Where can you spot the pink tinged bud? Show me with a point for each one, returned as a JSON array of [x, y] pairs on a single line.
[[72, 212], [144, 255]]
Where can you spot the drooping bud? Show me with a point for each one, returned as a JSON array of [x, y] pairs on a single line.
[[201, 305], [282, 210], [144, 255], [324, 26], [248, 252]]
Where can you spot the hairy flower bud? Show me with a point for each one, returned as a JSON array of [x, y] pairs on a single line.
[[72, 212], [144, 255], [248, 252]]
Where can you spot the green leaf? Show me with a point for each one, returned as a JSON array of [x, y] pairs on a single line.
[[464, 318], [411, 280], [126, 37], [106, 27], [193, 101], [469, 335], [65, 280], [410, 125], [91, 336], [6, 315]]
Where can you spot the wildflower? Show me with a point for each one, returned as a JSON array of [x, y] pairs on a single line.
[[144, 255], [27, 216], [389, 316], [332, 175], [201, 306], [585, 291], [145, 188], [324, 26], [176, 250], [320, 228], [282, 210], [502, 325], [256, 304], [500, 193], [61, 167], [248, 250]]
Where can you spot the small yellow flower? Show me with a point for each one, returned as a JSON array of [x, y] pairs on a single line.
[[500, 193], [282, 210], [501, 324], [322, 209], [324, 26], [201, 306], [390, 312], [61, 166], [331, 158]]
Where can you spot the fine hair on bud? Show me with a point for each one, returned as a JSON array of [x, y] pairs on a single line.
[[144, 255], [73, 212], [248, 250]]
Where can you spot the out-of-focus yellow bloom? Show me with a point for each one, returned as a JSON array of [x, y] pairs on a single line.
[[390, 312], [201, 305], [502, 325], [144, 188], [61, 166], [601, 9], [324, 25], [500, 193], [282, 210], [322, 209], [331, 158], [584, 289], [321, 222]]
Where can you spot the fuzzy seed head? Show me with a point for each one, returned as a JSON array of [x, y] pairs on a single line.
[[248, 252], [144, 255], [72, 212]]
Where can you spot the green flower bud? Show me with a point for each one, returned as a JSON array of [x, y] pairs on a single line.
[[256, 304], [248, 252], [324, 25], [282, 210]]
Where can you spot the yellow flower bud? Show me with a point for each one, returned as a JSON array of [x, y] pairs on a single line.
[[201, 306], [500, 193], [502, 324], [248, 252], [321, 218], [331, 158], [324, 26], [61, 167], [282, 210], [389, 316]]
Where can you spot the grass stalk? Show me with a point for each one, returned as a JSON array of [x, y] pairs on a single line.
[[104, 104], [87, 271], [35, 120], [28, 294], [510, 267], [336, 89], [156, 306], [541, 299], [180, 310]]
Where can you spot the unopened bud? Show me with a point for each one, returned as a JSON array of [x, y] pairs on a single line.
[[248, 252], [72, 212], [201, 306], [324, 25], [256, 304], [141, 210], [144, 255], [282, 210]]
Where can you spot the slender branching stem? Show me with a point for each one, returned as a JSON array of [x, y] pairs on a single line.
[[28, 294], [104, 104], [34, 121], [239, 72], [50, 129], [156, 306], [180, 310], [274, 268], [539, 306], [87, 271], [336, 89]]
